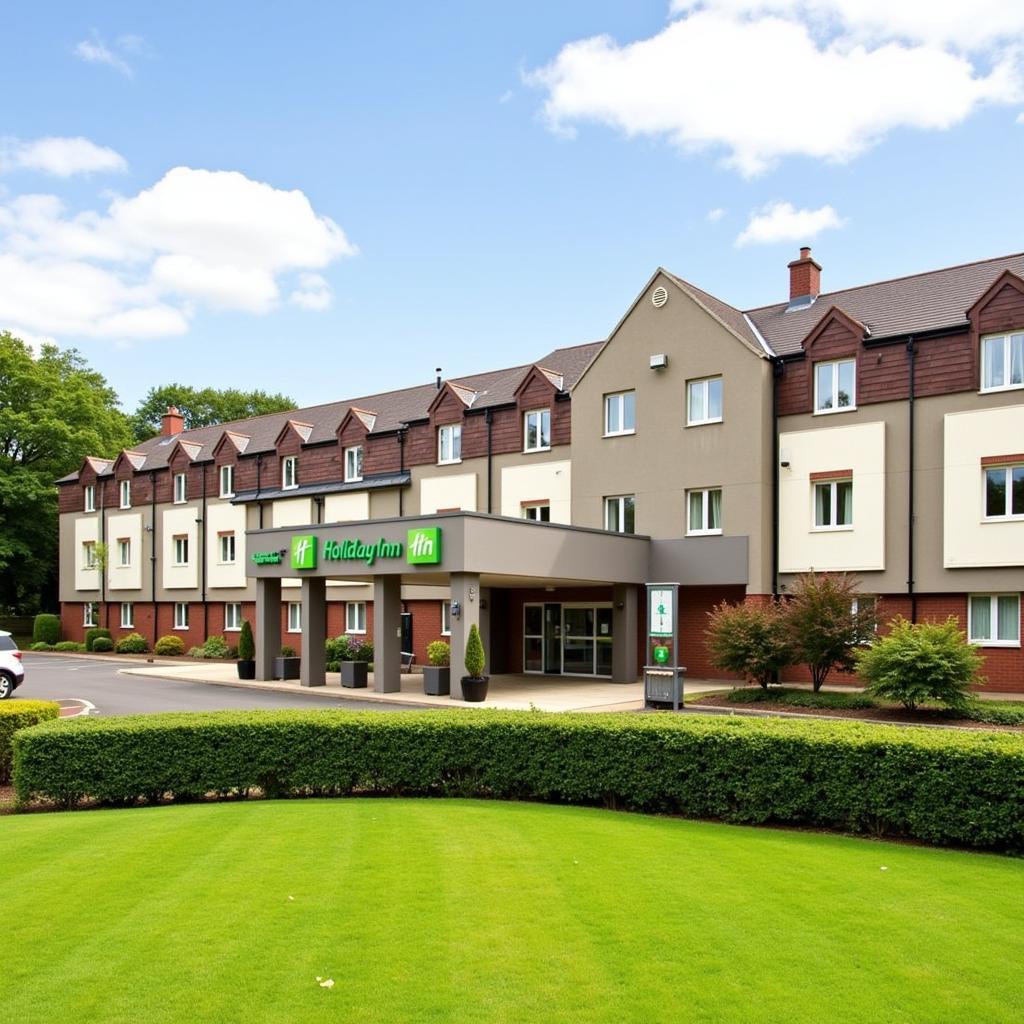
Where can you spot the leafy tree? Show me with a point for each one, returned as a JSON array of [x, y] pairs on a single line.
[[822, 626], [54, 410], [750, 640], [921, 661], [202, 406]]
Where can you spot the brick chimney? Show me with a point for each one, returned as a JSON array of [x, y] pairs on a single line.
[[172, 422], [804, 276]]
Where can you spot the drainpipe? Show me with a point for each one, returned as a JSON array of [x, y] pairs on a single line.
[[489, 419], [318, 501], [202, 521], [259, 476], [910, 481], [152, 550], [401, 466], [778, 370], [105, 616]]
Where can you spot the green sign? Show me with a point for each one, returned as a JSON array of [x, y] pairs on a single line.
[[424, 545], [661, 654], [266, 557], [304, 552], [357, 550]]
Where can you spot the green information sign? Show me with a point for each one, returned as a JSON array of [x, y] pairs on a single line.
[[424, 545], [304, 552]]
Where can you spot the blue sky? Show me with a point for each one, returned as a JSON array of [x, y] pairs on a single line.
[[469, 185]]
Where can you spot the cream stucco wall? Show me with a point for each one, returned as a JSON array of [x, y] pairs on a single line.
[[128, 526], [969, 540], [177, 521], [448, 492], [802, 547], [225, 518], [86, 529], [551, 481], [291, 512], [345, 508]]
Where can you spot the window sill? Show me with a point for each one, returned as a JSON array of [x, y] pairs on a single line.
[[1004, 644], [232, 629], [293, 632], [619, 433], [835, 412], [449, 462], [702, 423], [290, 487], [703, 533], [355, 632], [225, 497], [988, 520], [1001, 388], [832, 529], [181, 629], [353, 479], [534, 451]]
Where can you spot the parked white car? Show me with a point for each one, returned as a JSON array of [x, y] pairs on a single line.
[[12, 672]]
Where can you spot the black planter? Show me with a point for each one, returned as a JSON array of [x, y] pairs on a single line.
[[286, 668], [474, 689], [437, 680], [353, 674], [247, 670]]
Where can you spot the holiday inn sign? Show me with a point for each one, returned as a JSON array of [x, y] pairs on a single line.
[[422, 547]]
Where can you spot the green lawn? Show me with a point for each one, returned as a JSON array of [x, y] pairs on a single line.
[[461, 911]]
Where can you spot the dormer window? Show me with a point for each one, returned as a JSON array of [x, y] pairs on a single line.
[[90, 497], [449, 444], [227, 481], [354, 463], [126, 493], [835, 386], [537, 430], [289, 472], [1002, 362], [180, 488]]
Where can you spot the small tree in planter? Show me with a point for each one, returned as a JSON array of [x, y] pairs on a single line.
[[749, 640], [474, 682], [437, 676], [246, 652]]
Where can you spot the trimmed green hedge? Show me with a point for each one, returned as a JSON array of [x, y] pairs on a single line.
[[102, 645], [20, 714], [936, 785], [94, 633], [46, 629]]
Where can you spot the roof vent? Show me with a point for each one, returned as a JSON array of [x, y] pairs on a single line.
[[659, 297]]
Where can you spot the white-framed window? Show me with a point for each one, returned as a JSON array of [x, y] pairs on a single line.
[[833, 504], [181, 615], [993, 620], [620, 513], [449, 443], [90, 613], [181, 549], [537, 511], [537, 430], [704, 511], [227, 481], [180, 488], [89, 554], [835, 386], [226, 547], [124, 551], [355, 617], [127, 615], [1002, 362], [289, 472], [125, 491], [354, 463], [1004, 492], [704, 401], [620, 413], [294, 617], [446, 618], [90, 497], [232, 616]]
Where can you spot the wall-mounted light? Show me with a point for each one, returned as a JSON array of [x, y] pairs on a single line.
[[456, 610], [472, 593], [784, 463]]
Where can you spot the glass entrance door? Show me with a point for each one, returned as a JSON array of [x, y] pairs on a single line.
[[567, 639]]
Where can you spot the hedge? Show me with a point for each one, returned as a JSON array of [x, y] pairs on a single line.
[[93, 634], [102, 644], [46, 629], [937, 785], [19, 714]]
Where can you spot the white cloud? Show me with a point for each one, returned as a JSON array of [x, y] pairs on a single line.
[[1020, 119], [61, 157], [141, 268], [763, 86], [782, 222], [95, 51], [715, 215]]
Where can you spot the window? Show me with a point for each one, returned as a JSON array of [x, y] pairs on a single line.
[[537, 431], [289, 472], [704, 513], [227, 481], [994, 619], [620, 513], [294, 617], [90, 497], [180, 488], [446, 618], [704, 401], [355, 617], [89, 554], [90, 613], [232, 617], [1004, 492], [868, 605], [537, 511], [181, 549], [833, 504], [620, 413], [835, 386], [127, 615], [227, 548], [126, 493], [1002, 362], [180, 615], [124, 551], [449, 443], [354, 463]]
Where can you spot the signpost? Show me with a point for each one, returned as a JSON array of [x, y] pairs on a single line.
[[663, 675]]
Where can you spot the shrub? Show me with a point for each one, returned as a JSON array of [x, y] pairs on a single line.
[[338, 649], [69, 647], [246, 645], [133, 643], [359, 650], [39, 645], [287, 652], [439, 653], [102, 645], [46, 629], [19, 714], [750, 640], [232, 651], [93, 633], [937, 785], [801, 698], [474, 653], [195, 652], [918, 662], [215, 647], [169, 645]]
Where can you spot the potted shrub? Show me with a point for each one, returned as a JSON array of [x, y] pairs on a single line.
[[355, 667], [246, 652], [474, 682], [437, 676], [286, 665]]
